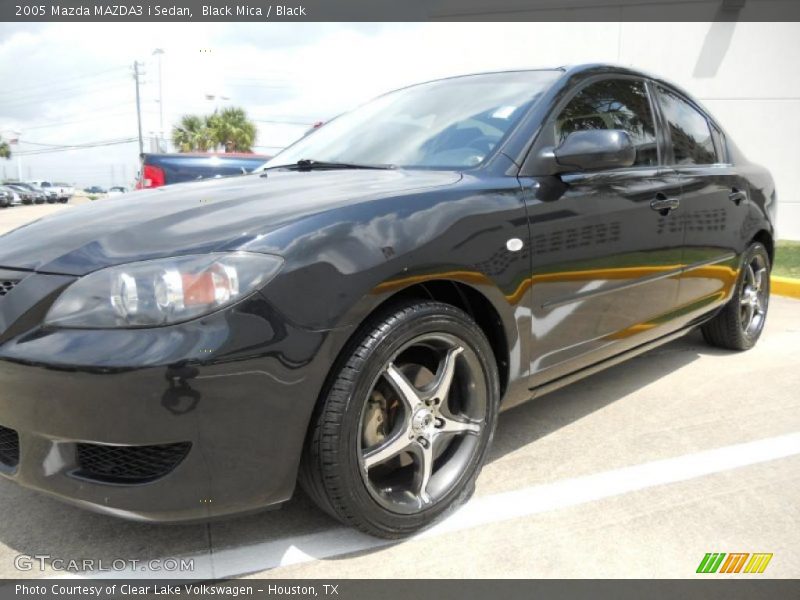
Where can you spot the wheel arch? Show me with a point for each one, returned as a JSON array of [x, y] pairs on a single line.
[[472, 302], [765, 237], [455, 293]]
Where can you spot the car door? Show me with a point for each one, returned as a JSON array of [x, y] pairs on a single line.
[[713, 199], [606, 249]]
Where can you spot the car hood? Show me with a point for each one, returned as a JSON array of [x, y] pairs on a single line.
[[198, 217]]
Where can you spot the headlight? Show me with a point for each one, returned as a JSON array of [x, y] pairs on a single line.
[[161, 292]]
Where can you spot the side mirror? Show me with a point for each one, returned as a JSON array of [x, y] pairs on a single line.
[[594, 149]]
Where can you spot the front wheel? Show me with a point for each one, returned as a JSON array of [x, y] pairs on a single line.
[[405, 423], [740, 323]]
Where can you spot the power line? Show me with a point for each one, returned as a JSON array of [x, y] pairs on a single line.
[[69, 89], [93, 110], [15, 96], [98, 144], [277, 122], [69, 78], [94, 117], [47, 145], [57, 95]]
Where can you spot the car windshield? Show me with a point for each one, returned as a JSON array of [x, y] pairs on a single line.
[[446, 124]]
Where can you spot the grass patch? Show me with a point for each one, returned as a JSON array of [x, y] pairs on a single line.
[[787, 259]]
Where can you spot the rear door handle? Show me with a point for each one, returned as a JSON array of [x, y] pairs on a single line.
[[664, 204], [738, 196]]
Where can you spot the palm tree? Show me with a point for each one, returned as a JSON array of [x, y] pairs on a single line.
[[5, 149], [193, 134], [231, 129]]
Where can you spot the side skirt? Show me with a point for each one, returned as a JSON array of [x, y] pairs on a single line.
[[559, 383]]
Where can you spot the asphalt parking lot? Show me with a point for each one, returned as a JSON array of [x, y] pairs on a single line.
[[638, 471], [11, 218]]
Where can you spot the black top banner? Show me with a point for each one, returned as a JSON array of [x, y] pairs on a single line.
[[402, 10]]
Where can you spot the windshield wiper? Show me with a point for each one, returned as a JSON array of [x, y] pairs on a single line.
[[309, 164]]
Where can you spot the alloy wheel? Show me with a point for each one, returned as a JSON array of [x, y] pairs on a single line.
[[753, 296], [421, 423]]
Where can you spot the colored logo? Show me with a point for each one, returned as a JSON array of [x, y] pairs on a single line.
[[734, 562]]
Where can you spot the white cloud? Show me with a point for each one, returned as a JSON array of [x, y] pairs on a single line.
[[71, 83]]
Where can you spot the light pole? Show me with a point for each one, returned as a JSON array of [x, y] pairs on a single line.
[[159, 53]]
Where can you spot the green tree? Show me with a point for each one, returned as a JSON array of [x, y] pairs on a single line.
[[229, 130], [232, 130], [5, 149], [192, 134]]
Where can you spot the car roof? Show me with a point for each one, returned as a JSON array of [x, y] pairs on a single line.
[[569, 70]]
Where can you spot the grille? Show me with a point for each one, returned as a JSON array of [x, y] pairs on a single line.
[[129, 464], [9, 447], [6, 285]]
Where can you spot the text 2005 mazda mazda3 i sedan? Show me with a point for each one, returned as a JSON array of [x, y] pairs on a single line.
[[355, 315]]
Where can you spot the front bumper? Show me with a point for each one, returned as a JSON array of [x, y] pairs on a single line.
[[237, 388]]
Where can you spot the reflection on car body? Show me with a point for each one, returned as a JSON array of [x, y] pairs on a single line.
[[355, 314]]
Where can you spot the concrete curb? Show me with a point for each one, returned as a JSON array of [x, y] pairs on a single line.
[[785, 286]]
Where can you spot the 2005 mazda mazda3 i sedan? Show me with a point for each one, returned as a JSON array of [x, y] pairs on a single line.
[[355, 315]]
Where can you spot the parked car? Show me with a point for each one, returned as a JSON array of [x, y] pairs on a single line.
[[117, 190], [55, 192], [66, 191], [95, 189], [51, 194], [28, 194], [6, 197], [165, 169], [17, 196], [356, 314]]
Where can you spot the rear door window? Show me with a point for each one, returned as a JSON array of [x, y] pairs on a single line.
[[692, 141]]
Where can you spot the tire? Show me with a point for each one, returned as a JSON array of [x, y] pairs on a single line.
[[344, 471], [731, 328]]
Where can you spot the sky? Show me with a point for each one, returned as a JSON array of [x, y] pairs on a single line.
[[71, 84], [66, 85]]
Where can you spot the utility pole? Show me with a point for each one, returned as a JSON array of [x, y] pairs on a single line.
[[138, 105], [19, 159], [159, 52]]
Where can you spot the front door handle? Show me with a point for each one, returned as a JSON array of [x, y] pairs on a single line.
[[737, 196], [664, 204]]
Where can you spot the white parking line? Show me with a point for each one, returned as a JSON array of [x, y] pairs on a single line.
[[493, 508]]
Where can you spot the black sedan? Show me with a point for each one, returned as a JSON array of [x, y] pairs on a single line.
[[355, 315]]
